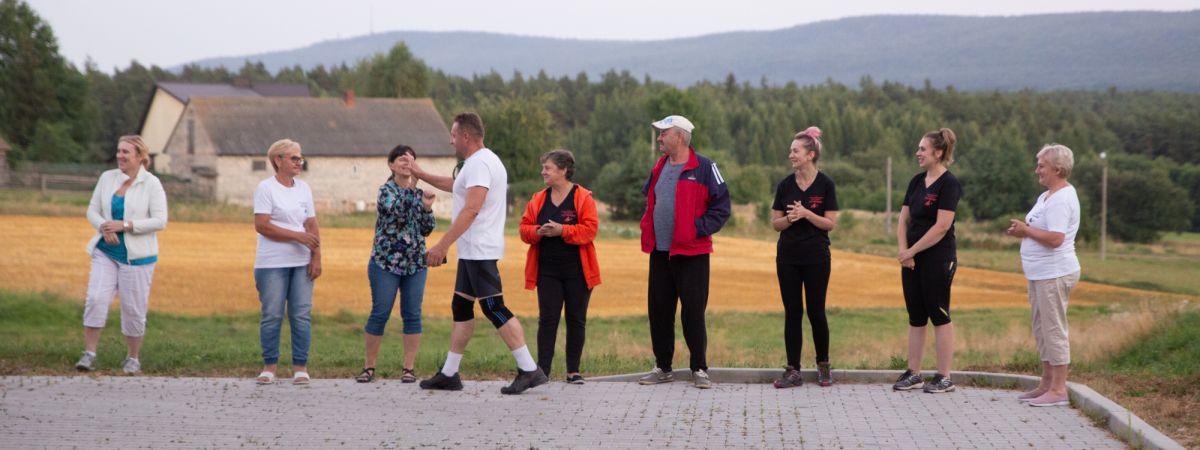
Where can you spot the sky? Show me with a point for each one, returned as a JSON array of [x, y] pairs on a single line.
[[171, 32]]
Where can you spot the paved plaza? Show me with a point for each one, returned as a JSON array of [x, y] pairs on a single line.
[[153, 412]]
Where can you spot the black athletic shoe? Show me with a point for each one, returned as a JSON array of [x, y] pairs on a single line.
[[442, 382], [575, 379], [939, 384], [791, 378], [908, 381], [525, 380]]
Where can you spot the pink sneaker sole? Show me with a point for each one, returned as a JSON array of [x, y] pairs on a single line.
[[1043, 401]]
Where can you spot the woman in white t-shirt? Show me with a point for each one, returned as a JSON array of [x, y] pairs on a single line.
[[287, 260], [1049, 261]]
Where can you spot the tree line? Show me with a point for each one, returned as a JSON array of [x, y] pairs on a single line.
[[51, 111]]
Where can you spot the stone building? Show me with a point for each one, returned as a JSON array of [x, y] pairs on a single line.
[[169, 99], [220, 143]]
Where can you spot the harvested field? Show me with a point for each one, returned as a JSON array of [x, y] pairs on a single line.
[[207, 268]]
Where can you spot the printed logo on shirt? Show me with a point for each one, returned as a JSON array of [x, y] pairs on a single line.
[[691, 178], [567, 216], [814, 201], [930, 199]]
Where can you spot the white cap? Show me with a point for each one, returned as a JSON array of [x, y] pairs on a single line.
[[675, 121]]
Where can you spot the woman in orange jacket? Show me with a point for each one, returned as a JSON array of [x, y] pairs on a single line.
[[561, 262]]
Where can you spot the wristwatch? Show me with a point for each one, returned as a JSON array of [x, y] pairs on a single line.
[[128, 225]]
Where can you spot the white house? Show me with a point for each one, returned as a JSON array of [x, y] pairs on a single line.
[[221, 144], [169, 99]]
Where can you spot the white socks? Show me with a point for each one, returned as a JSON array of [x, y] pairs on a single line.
[[524, 359], [452, 360]]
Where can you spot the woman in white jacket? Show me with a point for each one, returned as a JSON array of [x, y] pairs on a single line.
[[128, 207]]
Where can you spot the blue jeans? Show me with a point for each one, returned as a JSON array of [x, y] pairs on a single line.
[[384, 285], [278, 288]]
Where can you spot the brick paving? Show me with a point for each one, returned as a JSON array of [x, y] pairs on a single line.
[[154, 412]]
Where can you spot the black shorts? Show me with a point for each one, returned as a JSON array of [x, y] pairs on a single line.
[[927, 292], [479, 281]]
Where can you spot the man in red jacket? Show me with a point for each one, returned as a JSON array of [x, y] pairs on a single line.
[[686, 203]]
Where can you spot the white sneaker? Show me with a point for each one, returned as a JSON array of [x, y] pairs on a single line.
[[86, 363], [131, 366]]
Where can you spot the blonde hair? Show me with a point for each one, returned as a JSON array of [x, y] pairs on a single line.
[[278, 148], [810, 138], [140, 146], [943, 139], [1059, 157]]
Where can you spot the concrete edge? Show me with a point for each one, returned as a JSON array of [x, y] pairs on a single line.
[[1120, 421]]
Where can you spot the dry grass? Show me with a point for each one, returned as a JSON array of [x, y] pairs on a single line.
[[207, 268]]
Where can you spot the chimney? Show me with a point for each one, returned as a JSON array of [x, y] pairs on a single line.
[[348, 97]]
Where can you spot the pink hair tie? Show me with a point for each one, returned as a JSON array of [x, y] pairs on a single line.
[[813, 132]]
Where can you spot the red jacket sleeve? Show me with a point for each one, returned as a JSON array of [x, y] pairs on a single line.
[[529, 224]]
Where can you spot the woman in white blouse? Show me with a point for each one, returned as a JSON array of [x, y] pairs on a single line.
[[1052, 269], [128, 208], [287, 259]]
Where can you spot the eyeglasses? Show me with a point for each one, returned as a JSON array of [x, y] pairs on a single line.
[[295, 159]]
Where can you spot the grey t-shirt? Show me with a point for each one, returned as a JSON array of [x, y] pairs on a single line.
[[664, 206]]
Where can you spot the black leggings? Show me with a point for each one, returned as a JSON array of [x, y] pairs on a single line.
[[554, 293], [795, 283]]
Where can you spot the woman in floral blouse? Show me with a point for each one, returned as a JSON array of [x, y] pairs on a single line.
[[405, 218]]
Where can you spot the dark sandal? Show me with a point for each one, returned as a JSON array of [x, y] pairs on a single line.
[[367, 375], [408, 377]]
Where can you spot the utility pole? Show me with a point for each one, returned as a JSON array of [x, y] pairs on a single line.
[[1103, 205], [887, 222]]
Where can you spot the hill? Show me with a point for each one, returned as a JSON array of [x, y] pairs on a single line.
[[1128, 50]]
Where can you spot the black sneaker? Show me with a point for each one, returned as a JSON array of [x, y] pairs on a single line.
[[791, 378], [525, 380], [442, 382], [908, 381], [575, 379], [939, 384]]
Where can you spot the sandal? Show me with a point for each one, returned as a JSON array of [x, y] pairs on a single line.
[[408, 377], [265, 378], [301, 379], [367, 375]]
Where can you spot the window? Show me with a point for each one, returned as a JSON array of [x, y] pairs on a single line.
[[258, 165], [304, 167]]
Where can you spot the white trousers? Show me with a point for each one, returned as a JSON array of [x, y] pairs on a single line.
[[132, 283]]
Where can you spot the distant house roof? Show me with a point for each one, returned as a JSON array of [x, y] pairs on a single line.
[[281, 90], [323, 126], [185, 91]]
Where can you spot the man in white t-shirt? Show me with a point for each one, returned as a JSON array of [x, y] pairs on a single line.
[[480, 194]]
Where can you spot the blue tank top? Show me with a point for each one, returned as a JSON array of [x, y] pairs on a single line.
[[117, 252]]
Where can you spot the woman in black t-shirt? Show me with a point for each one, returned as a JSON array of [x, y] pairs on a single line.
[[804, 212], [927, 258], [560, 225]]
